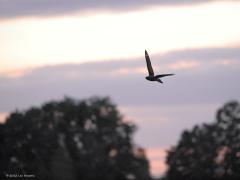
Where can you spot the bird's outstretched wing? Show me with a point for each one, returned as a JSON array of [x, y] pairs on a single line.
[[149, 66], [163, 75]]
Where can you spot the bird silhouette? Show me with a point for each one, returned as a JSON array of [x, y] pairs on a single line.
[[151, 76]]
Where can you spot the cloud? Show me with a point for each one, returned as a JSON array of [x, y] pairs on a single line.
[[128, 71], [209, 82], [184, 65], [156, 153], [15, 74], [181, 65], [157, 160], [156, 122], [18, 8], [3, 117], [206, 79], [159, 127], [189, 97], [157, 167], [226, 62], [186, 59]]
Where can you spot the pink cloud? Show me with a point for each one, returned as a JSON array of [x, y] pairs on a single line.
[[190, 64], [126, 71], [17, 73], [157, 157], [225, 62], [3, 117]]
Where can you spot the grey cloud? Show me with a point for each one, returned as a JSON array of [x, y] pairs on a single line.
[[186, 99], [206, 55], [170, 120], [19, 8], [206, 84]]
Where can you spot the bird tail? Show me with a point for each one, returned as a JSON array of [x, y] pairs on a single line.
[[159, 80]]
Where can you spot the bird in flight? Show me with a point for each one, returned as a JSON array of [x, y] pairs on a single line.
[[151, 76]]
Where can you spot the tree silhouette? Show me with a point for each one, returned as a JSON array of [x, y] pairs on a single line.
[[71, 139], [210, 151]]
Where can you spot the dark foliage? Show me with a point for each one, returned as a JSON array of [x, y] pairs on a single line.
[[71, 139], [211, 151]]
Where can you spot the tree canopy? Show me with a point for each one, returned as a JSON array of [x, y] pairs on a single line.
[[210, 151], [71, 139]]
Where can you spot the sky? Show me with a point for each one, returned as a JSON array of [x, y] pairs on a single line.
[[49, 50]]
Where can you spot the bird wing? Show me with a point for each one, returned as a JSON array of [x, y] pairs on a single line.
[[149, 66], [163, 75]]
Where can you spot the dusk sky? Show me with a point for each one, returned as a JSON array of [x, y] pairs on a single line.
[[73, 48]]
